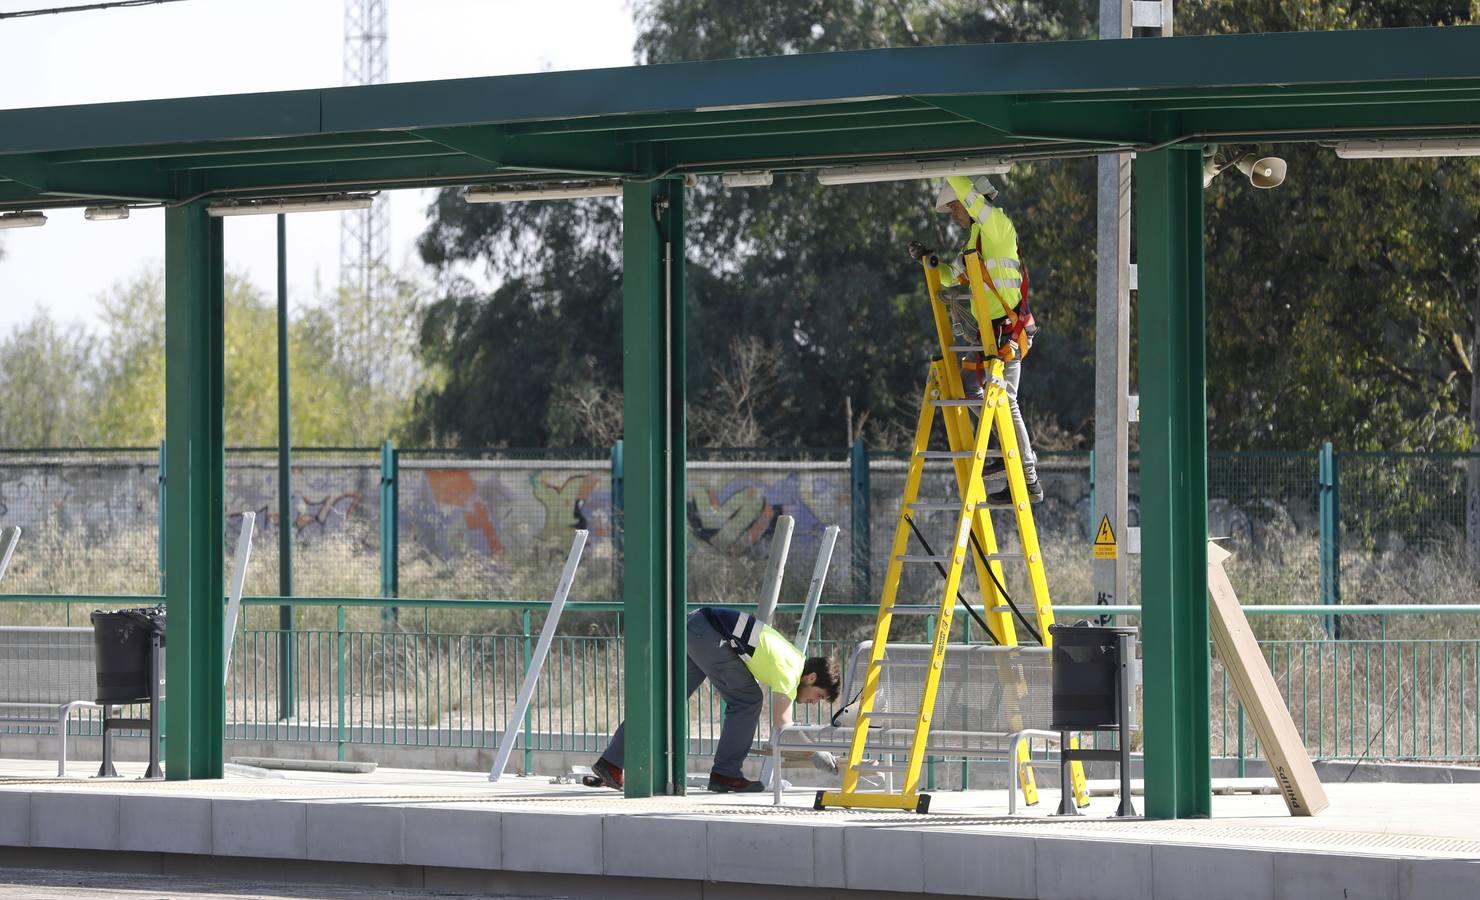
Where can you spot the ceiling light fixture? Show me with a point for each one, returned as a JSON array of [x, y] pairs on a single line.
[[746, 179], [22, 220], [1422, 149], [105, 213], [490, 193], [275, 205], [936, 168]]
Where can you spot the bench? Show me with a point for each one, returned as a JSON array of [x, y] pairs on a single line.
[[48, 672], [991, 699]]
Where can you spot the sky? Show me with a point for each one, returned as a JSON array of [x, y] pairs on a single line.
[[199, 47]]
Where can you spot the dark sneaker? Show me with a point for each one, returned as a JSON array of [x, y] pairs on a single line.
[[994, 468], [730, 784], [606, 775], [1004, 496]]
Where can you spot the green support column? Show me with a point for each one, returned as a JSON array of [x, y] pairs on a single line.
[[194, 520], [287, 668], [1174, 483], [654, 577]]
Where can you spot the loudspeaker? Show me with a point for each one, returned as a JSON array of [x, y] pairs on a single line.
[[1266, 172]]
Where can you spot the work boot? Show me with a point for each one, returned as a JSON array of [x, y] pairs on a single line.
[[994, 468], [1004, 496], [606, 775], [733, 784]]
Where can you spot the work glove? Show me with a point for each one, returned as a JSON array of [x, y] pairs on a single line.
[[918, 250], [824, 761]]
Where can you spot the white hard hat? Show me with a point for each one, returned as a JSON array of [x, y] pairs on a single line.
[[945, 198], [981, 184]]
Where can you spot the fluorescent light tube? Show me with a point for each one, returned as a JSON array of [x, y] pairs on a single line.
[[22, 220], [105, 213], [571, 191], [1428, 147], [936, 168], [289, 205], [746, 179]]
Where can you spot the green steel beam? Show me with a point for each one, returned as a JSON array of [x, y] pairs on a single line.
[[1345, 61], [357, 154], [195, 449], [713, 117], [140, 181], [1174, 494], [584, 154], [653, 584], [286, 147], [287, 667]]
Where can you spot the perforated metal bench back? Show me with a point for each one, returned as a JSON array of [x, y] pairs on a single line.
[[982, 688], [46, 665]]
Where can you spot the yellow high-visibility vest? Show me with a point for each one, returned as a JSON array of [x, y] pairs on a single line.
[[993, 235]]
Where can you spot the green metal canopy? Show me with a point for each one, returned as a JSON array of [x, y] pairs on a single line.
[[647, 126], [1017, 100]]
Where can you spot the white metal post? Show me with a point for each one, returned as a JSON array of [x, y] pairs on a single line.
[[537, 662]]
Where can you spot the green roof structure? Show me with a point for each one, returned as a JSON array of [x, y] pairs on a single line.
[[649, 126]]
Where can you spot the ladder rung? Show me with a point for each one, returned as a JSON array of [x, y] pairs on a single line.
[[904, 663], [944, 454], [943, 505], [890, 715], [998, 557], [873, 768], [1000, 609], [957, 402], [923, 558], [967, 348], [909, 610]]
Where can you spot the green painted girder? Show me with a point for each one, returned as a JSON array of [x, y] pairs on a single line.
[[843, 147], [139, 181], [1114, 126], [687, 119], [1345, 61], [1332, 122], [585, 155], [397, 173], [355, 154], [918, 118], [1254, 95], [266, 149]]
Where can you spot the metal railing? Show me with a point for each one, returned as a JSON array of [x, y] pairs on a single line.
[[1378, 698]]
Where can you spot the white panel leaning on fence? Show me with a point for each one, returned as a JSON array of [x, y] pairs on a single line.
[[537, 662], [238, 581]]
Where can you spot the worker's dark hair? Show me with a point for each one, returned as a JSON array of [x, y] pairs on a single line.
[[828, 677]]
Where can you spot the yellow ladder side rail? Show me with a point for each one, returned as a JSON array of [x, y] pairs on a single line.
[[961, 434], [883, 621], [975, 495]]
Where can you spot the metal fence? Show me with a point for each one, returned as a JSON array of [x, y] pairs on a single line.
[[1378, 698]]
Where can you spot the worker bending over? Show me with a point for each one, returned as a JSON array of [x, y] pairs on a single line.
[[991, 235], [739, 653]]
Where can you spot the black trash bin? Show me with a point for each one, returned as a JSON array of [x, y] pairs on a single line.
[[124, 639], [1092, 691], [129, 647], [1085, 670]]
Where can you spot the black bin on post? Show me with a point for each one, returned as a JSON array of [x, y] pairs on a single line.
[[1094, 690], [129, 645]]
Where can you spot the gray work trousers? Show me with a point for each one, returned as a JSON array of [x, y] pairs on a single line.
[[1012, 373], [743, 697]]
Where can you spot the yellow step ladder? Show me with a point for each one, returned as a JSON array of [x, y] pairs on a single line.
[[971, 443]]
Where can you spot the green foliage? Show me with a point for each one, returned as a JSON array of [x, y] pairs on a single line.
[[62, 387], [46, 385], [1340, 306]]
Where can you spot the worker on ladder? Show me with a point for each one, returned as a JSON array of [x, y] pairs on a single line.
[[991, 235], [739, 653]]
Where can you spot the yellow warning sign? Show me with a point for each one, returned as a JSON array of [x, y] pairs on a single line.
[[1105, 540]]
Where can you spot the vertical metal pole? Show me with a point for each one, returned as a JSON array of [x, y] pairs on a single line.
[[654, 579], [858, 503], [390, 568], [1109, 467], [618, 502], [1174, 494], [287, 670], [162, 489], [1330, 556], [194, 519]]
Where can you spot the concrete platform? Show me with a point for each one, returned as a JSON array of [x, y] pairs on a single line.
[[455, 832]]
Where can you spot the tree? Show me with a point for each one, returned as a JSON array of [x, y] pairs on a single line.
[[328, 407], [47, 383], [1336, 307]]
